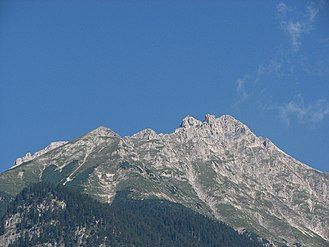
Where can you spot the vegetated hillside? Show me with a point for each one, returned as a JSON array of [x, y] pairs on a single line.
[[45, 215], [4, 201]]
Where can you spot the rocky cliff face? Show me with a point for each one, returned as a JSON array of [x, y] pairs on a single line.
[[217, 167]]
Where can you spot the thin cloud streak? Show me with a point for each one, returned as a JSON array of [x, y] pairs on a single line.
[[247, 86], [241, 90], [294, 26], [305, 113]]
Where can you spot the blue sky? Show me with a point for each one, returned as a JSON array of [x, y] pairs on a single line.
[[67, 67]]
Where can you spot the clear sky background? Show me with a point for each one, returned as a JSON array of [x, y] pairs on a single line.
[[67, 67]]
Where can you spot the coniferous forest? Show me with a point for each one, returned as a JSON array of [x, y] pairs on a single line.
[[56, 215]]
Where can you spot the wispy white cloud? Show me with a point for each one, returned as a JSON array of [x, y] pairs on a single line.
[[273, 66], [304, 113], [241, 89], [282, 9], [296, 24], [255, 87], [312, 11], [294, 30], [247, 86]]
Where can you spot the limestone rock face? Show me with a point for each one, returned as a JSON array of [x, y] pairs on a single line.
[[29, 156], [217, 167], [190, 122]]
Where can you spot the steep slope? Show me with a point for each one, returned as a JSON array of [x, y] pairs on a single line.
[[44, 215], [217, 167], [29, 156]]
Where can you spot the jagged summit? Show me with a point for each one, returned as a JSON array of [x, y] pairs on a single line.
[[225, 126], [28, 156], [145, 134], [103, 131], [210, 119], [190, 121], [229, 120]]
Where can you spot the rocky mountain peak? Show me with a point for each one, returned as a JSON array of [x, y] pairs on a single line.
[[229, 121], [28, 156], [210, 119], [147, 134], [190, 121], [103, 132], [225, 126], [216, 166], [233, 128]]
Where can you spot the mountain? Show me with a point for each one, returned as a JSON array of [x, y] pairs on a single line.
[[45, 215], [29, 156], [217, 167]]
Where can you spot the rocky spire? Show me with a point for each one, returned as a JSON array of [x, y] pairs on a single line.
[[210, 119], [190, 121]]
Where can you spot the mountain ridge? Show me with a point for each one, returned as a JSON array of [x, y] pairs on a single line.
[[187, 121], [217, 167]]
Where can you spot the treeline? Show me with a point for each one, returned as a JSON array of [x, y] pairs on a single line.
[[57, 215]]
